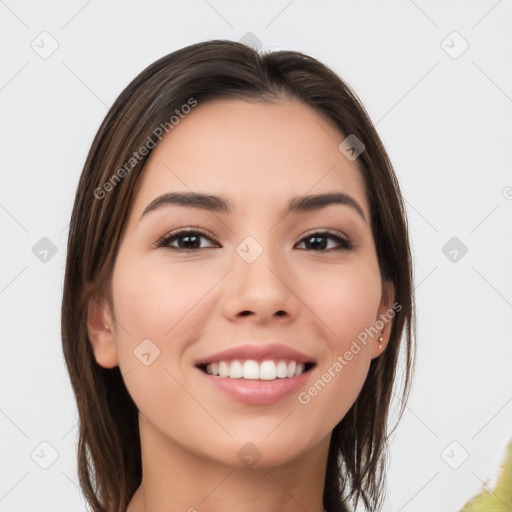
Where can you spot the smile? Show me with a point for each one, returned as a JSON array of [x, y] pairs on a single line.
[[251, 369], [257, 373]]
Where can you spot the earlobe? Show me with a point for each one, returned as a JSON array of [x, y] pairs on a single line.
[[384, 320], [101, 331]]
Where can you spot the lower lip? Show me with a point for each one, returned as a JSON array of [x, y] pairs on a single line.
[[258, 392]]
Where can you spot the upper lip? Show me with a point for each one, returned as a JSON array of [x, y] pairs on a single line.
[[257, 353]]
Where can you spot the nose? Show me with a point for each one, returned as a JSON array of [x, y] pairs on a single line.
[[261, 290]]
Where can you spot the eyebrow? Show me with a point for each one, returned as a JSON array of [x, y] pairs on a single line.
[[219, 204]]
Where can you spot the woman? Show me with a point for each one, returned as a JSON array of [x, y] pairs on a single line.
[[237, 289]]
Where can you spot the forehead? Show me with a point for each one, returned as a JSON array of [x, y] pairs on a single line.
[[247, 150]]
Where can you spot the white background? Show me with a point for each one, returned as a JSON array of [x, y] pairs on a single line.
[[446, 123]]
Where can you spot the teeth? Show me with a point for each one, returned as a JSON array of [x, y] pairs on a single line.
[[252, 370], [268, 370], [223, 369], [281, 370], [299, 369], [290, 371], [236, 370]]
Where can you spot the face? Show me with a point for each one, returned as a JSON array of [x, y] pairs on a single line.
[[250, 282]]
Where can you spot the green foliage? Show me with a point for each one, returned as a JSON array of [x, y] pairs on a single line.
[[498, 499]]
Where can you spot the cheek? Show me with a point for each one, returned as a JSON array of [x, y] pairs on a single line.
[[155, 310], [161, 308], [346, 299], [153, 300], [347, 302]]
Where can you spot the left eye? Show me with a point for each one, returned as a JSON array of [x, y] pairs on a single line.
[[319, 241], [191, 241]]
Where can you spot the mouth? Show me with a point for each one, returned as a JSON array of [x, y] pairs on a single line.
[[257, 374], [251, 369]]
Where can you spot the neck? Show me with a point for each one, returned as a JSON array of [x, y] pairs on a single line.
[[174, 479]]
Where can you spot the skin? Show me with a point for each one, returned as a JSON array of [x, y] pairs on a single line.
[[192, 304]]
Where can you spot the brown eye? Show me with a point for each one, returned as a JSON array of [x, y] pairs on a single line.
[[186, 240], [318, 242]]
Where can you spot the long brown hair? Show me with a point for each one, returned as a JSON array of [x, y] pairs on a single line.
[[109, 452]]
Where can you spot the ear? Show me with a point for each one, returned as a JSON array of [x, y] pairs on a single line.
[[101, 331], [384, 319]]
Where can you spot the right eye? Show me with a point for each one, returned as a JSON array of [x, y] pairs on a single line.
[[187, 240]]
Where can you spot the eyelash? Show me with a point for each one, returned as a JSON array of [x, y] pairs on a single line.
[[344, 244]]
